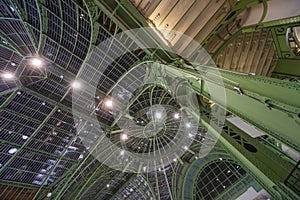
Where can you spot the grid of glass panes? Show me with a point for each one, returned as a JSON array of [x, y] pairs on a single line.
[[215, 177]]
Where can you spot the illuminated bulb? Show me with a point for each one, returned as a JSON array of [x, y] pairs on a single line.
[[131, 190], [107, 185], [109, 103], [13, 64], [174, 159], [76, 85], [176, 115], [188, 125], [124, 137], [158, 115], [7, 75], [12, 8], [185, 147], [122, 153], [49, 194], [13, 150], [24, 137], [36, 62]]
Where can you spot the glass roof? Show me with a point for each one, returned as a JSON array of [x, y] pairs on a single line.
[[57, 54]]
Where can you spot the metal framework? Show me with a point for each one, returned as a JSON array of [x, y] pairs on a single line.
[[41, 152]]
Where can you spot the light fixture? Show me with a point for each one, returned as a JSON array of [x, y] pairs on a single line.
[[75, 85], [24, 137], [7, 75], [12, 8], [124, 136], [108, 103], [158, 115], [175, 160], [176, 116], [49, 194], [122, 153], [13, 64], [12, 150], [188, 125], [107, 185], [36, 62]]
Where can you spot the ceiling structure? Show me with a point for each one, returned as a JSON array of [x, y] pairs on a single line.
[[69, 70]]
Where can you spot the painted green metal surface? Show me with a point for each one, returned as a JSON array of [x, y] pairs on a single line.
[[270, 104]]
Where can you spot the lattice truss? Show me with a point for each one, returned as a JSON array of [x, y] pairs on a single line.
[[44, 46]]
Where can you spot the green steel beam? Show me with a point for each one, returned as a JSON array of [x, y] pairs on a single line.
[[287, 67], [251, 168], [270, 104], [269, 168]]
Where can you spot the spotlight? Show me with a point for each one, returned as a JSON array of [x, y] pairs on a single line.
[[188, 125], [158, 115], [76, 85], [49, 194], [13, 150], [7, 75], [24, 137], [36, 62], [124, 136], [176, 116], [108, 103]]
